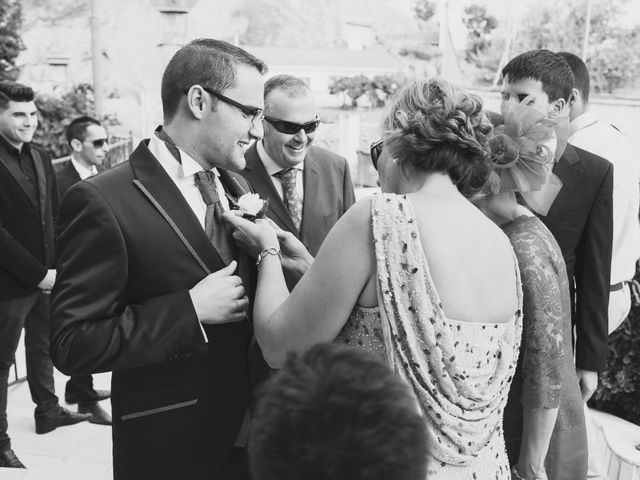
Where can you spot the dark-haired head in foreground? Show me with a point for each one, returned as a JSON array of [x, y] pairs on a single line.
[[337, 413]]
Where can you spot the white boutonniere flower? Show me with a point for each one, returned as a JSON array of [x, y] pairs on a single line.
[[252, 206]]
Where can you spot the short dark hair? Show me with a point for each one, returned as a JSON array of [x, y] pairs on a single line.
[[207, 62], [581, 80], [337, 413], [434, 126], [14, 91], [291, 85], [77, 129], [544, 66]]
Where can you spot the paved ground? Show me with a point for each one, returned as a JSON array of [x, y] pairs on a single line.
[[76, 452]]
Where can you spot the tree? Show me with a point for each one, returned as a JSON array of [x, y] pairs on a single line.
[[424, 10], [611, 59], [480, 25], [10, 41]]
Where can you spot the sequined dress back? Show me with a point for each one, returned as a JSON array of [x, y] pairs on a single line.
[[460, 372]]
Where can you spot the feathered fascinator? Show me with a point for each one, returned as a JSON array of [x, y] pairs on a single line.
[[524, 146]]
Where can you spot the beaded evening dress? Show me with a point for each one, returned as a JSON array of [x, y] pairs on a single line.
[[460, 372]]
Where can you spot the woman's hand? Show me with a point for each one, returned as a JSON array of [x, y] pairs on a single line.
[[251, 237], [527, 471], [296, 258]]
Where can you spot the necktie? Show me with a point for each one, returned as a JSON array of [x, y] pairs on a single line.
[[214, 225], [291, 199]]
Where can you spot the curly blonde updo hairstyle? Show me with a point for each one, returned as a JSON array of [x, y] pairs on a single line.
[[433, 126]]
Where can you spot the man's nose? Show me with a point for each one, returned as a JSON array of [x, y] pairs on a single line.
[[257, 130]]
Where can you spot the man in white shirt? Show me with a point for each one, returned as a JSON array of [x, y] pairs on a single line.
[[601, 138], [591, 134], [87, 139]]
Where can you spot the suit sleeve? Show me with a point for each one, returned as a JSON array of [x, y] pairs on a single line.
[[348, 193], [18, 260], [94, 328], [592, 277]]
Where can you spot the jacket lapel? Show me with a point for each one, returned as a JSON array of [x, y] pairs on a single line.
[[42, 181], [154, 183], [569, 168], [16, 173], [261, 182], [311, 189]]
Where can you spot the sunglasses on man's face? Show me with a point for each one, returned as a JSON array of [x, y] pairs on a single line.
[[292, 128], [376, 150], [99, 143]]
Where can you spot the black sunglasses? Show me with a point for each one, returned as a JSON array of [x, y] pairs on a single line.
[[99, 143], [292, 128], [255, 113], [376, 150]]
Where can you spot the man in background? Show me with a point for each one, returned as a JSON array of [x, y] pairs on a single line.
[[309, 188], [87, 139], [28, 208]]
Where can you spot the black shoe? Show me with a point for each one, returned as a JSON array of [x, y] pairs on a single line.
[[96, 396], [60, 419], [99, 415], [8, 459]]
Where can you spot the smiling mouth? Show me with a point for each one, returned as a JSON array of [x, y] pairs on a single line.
[[297, 148]]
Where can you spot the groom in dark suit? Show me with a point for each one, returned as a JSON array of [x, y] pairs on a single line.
[[146, 276], [309, 188]]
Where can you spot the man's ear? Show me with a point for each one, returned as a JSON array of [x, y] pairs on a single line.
[[574, 97], [558, 105], [76, 145], [196, 101]]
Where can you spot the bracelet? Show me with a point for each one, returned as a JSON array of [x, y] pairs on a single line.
[[265, 252]]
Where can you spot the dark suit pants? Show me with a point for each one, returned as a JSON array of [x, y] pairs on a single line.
[[81, 386], [32, 313]]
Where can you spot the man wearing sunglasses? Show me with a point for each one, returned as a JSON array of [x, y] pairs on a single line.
[[150, 285], [309, 188], [87, 139]]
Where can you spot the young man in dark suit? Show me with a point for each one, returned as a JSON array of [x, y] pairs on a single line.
[[28, 207], [580, 218], [309, 188], [87, 139], [146, 285]]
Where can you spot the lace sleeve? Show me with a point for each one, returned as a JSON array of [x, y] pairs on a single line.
[[544, 311]]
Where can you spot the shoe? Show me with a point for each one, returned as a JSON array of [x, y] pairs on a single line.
[[99, 415], [8, 459], [72, 397], [62, 418]]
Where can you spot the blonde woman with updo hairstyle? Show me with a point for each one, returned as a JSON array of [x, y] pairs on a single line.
[[415, 274]]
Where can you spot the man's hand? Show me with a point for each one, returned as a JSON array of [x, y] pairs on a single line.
[[588, 383], [220, 297], [46, 284]]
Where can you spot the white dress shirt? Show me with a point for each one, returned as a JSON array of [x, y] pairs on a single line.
[[273, 168], [600, 138], [83, 171]]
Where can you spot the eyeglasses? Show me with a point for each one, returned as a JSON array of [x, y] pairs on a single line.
[[376, 150], [292, 128], [99, 143], [255, 113]]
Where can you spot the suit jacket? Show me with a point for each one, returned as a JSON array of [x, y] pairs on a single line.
[[581, 220], [130, 249], [328, 193], [68, 176], [26, 225]]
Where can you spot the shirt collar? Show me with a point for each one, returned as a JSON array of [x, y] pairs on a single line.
[[83, 171], [582, 121], [188, 168], [269, 164], [13, 151]]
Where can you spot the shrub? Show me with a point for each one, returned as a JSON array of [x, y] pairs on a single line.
[[618, 391]]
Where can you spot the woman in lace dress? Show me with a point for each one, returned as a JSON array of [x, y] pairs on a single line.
[[417, 274], [544, 417]]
